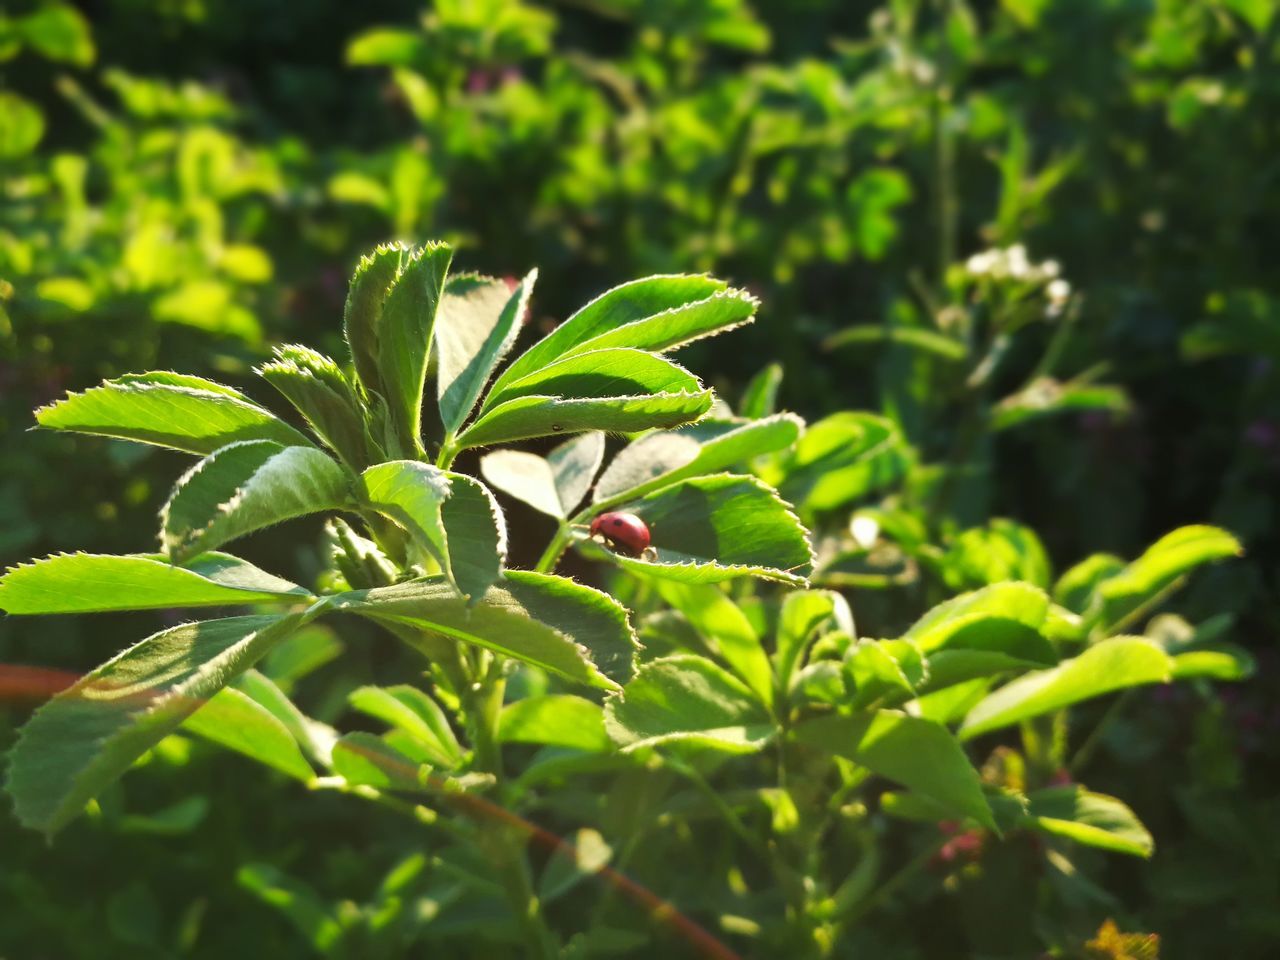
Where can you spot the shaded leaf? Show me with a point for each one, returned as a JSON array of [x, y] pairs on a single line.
[[245, 487], [92, 732], [918, 753], [721, 620], [365, 760], [1171, 557], [411, 710], [688, 699], [1092, 819], [478, 323], [842, 458]]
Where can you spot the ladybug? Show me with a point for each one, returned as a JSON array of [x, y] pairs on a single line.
[[624, 532]]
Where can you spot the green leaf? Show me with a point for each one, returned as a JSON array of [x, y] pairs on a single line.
[[557, 720], [571, 863], [88, 583], [720, 620], [1223, 661], [374, 276], [1002, 550], [365, 760], [1046, 396], [629, 303], [709, 529], [917, 753], [404, 333], [411, 710], [1076, 588], [92, 732], [167, 413], [1166, 561], [21, 125], [722, 311], [688, 699], [411, 493], [1019, 603], [659, 459], [803, 616], [1092, 819], [245, 487], [478, 323], [385, 46], [570, 630], [927, 341], [574, 465], [616, 372], [60, 32], [842, 458], [316, 738], [477, 534], [1110, 665], [884, 671], [760, 398], [234, 720], [529, 417], [297, 901], [320, 391]]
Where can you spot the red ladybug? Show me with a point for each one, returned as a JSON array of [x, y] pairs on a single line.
[[624, 532]]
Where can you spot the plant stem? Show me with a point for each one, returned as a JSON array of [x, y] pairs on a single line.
[[891, 886], [551, 556]]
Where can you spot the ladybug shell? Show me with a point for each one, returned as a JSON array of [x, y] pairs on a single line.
[[625, 532]]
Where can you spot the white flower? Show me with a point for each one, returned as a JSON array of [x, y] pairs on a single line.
[[1058, 291], [865, 530], [980, 263], [1016, 260], [1050, 269]]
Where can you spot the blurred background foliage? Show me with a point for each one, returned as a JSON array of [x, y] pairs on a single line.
[[186, 182]]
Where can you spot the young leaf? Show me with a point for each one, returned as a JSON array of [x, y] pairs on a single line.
[[411, 494], [316, 738], [574, 465], [1222, 661], [803, 614], [234, 720], [618, 307], [168, 410], [92, 732], [404, 331], [557, 720], [717, 617], [411, 710], [87, 583], [570, 630], [478, 323], [320, 391], [709, 529], [1171, 557], [688, 699], [529, 417], [617, 372], [245, 487], [917, 753], [1093, 819], [374, 276], [659, 459], [1113, 664]]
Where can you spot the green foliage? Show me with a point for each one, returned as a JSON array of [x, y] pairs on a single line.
[[993, 440]]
